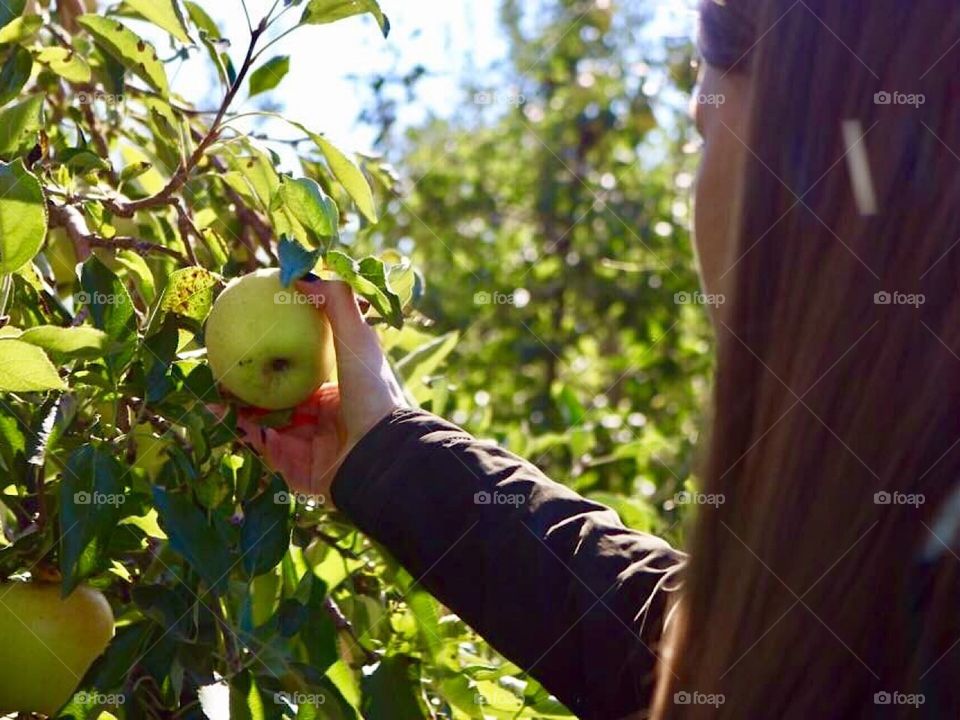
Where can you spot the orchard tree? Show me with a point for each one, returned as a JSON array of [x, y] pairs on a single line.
[[124, 211]]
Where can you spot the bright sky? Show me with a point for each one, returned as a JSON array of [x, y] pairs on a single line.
[[451, 38]]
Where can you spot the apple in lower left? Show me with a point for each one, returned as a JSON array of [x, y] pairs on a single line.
[[47, 643], [266, 344]]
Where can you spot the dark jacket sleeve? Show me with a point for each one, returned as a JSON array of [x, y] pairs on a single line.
[[553, 581]]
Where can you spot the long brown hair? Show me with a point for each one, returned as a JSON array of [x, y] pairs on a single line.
[[826, 583]]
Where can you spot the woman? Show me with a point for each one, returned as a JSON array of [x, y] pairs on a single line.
[[825, 584]]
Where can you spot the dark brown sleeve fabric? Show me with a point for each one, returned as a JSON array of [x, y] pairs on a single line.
[[555, 582]]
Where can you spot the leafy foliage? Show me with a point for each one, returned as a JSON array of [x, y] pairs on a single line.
[[124, 210]]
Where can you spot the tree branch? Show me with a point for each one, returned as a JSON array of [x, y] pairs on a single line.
[[165, 195], [73, 222]]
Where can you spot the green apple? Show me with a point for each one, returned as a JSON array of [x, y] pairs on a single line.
[[266, 344], [48, 644]]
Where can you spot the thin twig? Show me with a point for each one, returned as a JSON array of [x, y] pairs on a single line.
[[246, 13], [343, 624], [187, 228]]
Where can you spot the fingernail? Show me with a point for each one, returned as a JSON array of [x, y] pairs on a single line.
[[311, 278], [263, 434]]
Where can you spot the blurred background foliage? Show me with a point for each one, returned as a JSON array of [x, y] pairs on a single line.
[[551, 218]]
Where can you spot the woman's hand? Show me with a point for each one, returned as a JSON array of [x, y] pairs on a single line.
[[310, 450]]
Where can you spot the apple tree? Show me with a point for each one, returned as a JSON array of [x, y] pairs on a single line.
[[124, 210]]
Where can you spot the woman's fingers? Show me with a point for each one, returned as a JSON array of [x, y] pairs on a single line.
[[368, 388]]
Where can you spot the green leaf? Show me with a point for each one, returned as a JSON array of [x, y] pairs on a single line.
[[427, 612], [349, 174], [426, 360], [80, 341], [306, 204], [10, 9], [164, 14], [201, 19], [269, 75], [160, 350], [246, 698], [209, 35], [635, 513], [91, 506], [127, 48], [265, 535], [19, 125], [318, 633], [26, 368], [23, 216], [254, 177], [14, 74], [66, 63], [392, 691], [320, 12], [193, 537], [295, 261], [369, 279], [20, 29], [110, 305]]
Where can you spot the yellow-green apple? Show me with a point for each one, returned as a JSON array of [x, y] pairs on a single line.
[[48, 643], [266, 344]]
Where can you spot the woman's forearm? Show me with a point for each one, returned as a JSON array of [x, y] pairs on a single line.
[[554, 581]]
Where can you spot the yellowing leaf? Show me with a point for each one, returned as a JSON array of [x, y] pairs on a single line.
[[164, 14], [66, 63], [189, 293], [129, 49], [19, 124], [23, 28], [67, 340], [320, 12], [146, 176], [23, 216], [25, 368]]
